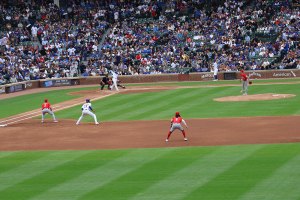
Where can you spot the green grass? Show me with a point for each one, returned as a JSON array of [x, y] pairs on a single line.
[[20, 104], [192, 103], [24, 103], [224, 172], [241, 172], [205, 83]]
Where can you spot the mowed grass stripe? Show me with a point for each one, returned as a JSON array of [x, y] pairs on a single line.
[[28, 170], [183, 97], [108, 102], [90, 180], [57, 175], [159, 105], [4, 154], [246, 174], [180, 184], [249, 108], [111, 107], [276, 107], [283, 184], [15, 159], [166, 107], [193, 102], [24, 103], [148, 174], [142, 101], [188, 103], [202, 106], [12, 105]]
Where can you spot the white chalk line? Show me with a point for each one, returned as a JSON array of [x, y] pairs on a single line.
[[21, 116], [38, 113]]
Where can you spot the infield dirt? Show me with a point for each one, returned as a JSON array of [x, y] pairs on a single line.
[[31, 134]]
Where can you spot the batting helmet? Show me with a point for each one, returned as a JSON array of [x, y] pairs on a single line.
[[87, 100]]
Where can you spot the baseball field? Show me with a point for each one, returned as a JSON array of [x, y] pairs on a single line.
[[238, 147]]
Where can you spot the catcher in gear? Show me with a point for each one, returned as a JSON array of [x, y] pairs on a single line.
[[105, 81], [176, 124]]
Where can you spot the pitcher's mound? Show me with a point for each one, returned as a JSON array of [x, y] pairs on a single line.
[[255, 97]]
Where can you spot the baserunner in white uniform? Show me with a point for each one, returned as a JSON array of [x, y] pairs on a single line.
[[114, 80], [87, 110]]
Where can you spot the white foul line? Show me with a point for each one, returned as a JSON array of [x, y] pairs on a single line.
[[34, 113], [10, 119]]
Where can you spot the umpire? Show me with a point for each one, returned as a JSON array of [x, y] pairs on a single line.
[[105, 81]]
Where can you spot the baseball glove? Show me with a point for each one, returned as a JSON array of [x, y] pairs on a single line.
[[250, 82]]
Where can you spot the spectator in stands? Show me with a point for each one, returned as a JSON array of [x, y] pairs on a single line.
[[13, 79], [161, 33], [2, 80]]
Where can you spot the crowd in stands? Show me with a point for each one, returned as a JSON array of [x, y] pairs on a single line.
[[41, 40]]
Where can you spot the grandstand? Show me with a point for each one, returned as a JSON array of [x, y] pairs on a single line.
[[55, 39]]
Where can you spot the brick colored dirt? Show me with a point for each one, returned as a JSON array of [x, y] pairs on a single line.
[[31, 134]]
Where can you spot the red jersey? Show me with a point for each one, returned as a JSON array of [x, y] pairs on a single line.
[[46, 105], [244, 76], [177, 120]]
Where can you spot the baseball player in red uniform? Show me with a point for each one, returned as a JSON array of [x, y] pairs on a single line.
[[46, 108], [245, 80], [176, 124]]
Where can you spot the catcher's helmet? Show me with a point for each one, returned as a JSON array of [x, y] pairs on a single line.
[[87, 100]]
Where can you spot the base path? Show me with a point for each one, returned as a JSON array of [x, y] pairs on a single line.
[[65, 135], [25, 133]]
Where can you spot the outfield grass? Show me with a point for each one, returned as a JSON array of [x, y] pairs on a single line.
[[241, 172], [224, 172], [192, 103], [205, 83], [24, 103]]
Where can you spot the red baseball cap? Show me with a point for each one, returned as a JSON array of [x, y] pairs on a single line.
[[177, 113]]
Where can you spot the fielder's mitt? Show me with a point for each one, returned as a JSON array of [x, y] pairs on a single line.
[[250, 82]]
